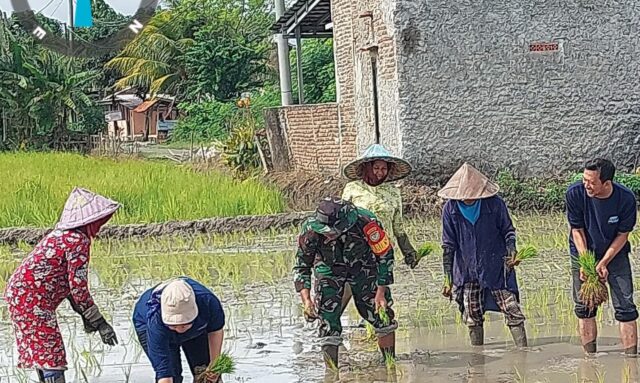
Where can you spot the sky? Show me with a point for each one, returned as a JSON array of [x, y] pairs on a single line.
[[59, 9]]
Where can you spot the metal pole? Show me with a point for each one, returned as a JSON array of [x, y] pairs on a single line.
[[299, 66], [374, 74], [71, 24], [283, 60], [4, 126]]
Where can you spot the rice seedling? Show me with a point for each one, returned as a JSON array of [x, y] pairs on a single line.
[[527, 252], [626, 374], [593, 291], [384, 316], [426, 249], [389, 360], [223, 364], [370, 332]]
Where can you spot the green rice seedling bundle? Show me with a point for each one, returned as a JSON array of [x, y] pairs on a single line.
[[224, 364], [426, 249], [593, 291], [384, 317], [527, 252]]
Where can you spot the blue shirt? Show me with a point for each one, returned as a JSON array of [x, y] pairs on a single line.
[[480, 248], [161, 340], [601, 219]]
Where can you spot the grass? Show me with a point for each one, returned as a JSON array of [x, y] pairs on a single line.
[[36, 185]]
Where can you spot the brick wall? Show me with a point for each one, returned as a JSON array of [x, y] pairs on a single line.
[[315, 139], [356, 25], [325, 137]]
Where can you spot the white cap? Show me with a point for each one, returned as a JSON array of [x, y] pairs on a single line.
[[178, 303]]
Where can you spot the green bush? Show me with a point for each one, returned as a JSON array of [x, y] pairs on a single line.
[[206, 120], [212, 120], [239, 151], [548, 195]]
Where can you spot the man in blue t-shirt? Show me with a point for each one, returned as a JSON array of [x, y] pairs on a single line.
[[601, 215], [179, 313]]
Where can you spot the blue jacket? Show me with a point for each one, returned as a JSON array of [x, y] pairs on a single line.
[[161, 340], [480, 249]]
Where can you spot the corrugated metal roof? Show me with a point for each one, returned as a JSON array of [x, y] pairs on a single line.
[[145, 106], [310, 15]]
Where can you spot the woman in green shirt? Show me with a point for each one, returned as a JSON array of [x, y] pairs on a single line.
[[372, 188]]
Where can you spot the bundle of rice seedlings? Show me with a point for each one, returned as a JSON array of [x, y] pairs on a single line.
[[224, 364], [384, 317], [593, 291], [525, 253], [370, 332], [426, 249]]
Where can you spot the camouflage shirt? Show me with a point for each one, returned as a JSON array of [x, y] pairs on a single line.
[[366, 242]]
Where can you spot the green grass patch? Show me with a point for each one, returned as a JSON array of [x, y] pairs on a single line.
[[35, 186]]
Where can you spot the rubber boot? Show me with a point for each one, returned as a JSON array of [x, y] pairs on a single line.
[[330, 354], [588, 334], [57, 378], [476, 333], [629, 337], [387, 345], [519, 335]]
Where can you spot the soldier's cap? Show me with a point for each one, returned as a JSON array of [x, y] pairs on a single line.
[[334, 216]]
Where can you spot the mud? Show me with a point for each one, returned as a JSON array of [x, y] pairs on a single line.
[[223, 225], [302, 191]]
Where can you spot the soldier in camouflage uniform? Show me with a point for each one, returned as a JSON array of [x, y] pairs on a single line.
[[344, 245]]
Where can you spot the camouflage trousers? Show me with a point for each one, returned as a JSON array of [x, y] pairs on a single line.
[[329, 289]]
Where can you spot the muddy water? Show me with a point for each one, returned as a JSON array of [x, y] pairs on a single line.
[[266, 334]]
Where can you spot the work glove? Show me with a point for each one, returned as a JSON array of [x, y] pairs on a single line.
[[410, 254], [511, 253], [88, 328], [107, 334], [447, 268]]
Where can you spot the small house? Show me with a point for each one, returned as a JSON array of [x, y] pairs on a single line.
[[132, 118]]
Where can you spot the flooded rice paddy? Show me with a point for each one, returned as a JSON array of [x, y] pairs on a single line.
[[271, 342]]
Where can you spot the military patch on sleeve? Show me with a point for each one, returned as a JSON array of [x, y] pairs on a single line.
[[377, 238]]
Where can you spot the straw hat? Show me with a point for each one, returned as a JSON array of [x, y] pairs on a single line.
[[178, 303], [353, 170], [468, 183], [84, 207]]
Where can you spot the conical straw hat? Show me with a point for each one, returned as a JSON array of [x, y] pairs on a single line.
[[402, 168], [84, 207], [468, 183]]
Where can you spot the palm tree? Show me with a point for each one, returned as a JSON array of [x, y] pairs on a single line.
[[150, 62]]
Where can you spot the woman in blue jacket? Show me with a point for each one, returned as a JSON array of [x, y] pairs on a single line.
[[479, 248], [179, 313]]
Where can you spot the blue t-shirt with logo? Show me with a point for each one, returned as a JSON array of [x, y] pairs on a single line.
[[602, 219]]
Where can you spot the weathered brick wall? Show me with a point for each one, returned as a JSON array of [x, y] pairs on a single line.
[[354, 76], [313, 135], [470, 89]]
